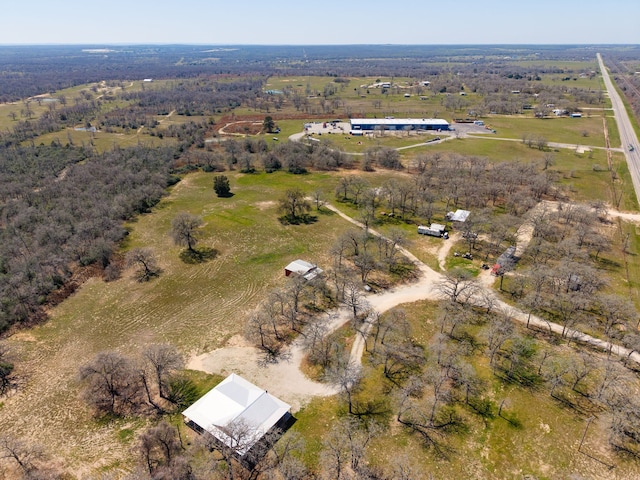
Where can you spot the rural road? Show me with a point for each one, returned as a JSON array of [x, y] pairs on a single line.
[[627, 133]]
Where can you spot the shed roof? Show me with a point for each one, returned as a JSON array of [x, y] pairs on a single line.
[[236, 400], [460, 216], [300, 267], [303, 268]]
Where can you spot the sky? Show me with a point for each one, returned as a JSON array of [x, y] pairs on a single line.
[[325, 22]]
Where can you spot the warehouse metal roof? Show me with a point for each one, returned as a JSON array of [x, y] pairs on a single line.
[[399, 121]]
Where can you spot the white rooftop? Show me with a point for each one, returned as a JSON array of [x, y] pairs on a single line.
[[305, 269], [460, 216], [300, 267], [237, 401], [399, 121]]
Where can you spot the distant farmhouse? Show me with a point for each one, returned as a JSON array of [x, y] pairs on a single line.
[[237, 403], [359, 125]]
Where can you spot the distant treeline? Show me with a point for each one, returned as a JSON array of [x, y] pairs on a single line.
[[31, 70]]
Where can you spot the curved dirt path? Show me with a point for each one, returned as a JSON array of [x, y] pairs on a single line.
[[287, 381], [443, 251], [223, 132]]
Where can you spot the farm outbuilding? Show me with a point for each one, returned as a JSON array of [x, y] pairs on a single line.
[[237, 402], [371, 124], [459, 216], [305, 269], [505, 262]]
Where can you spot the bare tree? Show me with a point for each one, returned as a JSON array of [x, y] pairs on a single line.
[[500, 329], [318, 198], [294, 205], [146, 261], [112, 385], [354, 299], [568, 309], [615, 311], [262, 330], [237, 437], [555, 374], [581, 368], [184, 230], [318, 343], [457, 285], [452, 315], [548, 160], [401, 359], [366, 264], [159, 448], [27, 455], [345, 448], [164, 360], [392, 324], [346, 376]]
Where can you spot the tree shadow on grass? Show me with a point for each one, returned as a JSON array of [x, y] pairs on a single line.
[[325, 211], [299, 220], [198, 255], [225, 195]]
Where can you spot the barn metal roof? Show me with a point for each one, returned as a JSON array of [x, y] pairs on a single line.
[[240, 402], [303, 268]]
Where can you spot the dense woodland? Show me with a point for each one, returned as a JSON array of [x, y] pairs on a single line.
[[68, 214]]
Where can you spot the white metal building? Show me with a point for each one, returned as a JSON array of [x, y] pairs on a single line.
[[236, 401], [370, 124]]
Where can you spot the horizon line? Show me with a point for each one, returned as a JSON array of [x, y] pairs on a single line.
[[132, 44]]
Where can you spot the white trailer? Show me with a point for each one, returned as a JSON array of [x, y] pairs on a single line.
[[435, 230]]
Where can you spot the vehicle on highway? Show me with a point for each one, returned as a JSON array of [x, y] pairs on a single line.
[[631, 148]]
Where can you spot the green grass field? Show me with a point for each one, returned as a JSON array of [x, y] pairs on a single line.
[[195, 307], [199, 307], [575, 131]]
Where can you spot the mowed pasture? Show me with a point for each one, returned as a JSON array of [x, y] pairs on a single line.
[[195, 307], [587, 130]]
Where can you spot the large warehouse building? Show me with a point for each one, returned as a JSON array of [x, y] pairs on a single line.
[[371, 124]]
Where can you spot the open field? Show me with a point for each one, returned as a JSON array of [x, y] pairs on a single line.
[[195, 307], [577, 131], [202, 307]]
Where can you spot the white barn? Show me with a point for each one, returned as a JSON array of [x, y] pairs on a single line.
[[236, 401]]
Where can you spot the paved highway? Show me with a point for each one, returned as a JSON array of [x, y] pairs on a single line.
[[627, 134]]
